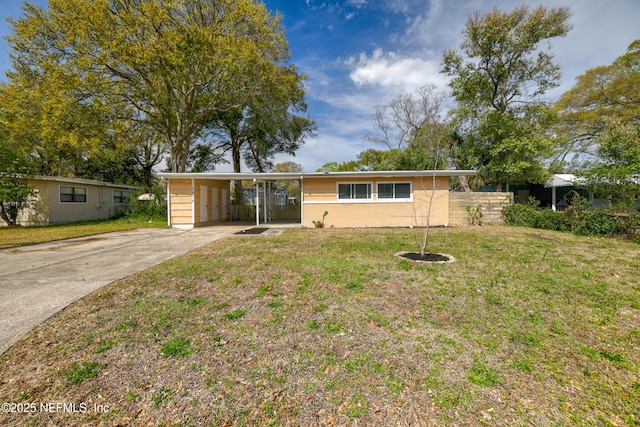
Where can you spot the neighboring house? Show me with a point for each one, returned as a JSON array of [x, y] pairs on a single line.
[[64, 200], [559, 190], [352, 199]]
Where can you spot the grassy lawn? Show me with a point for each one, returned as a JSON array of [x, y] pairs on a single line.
[[327, 327], [11, 237]]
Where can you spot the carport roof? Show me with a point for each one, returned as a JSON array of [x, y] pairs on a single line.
[[302, 175]]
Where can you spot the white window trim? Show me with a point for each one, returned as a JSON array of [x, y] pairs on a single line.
[[86, 198], [369, 200], [394, 199]]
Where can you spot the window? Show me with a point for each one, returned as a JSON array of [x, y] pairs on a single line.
[[394, 190], [73, 194], [120, 196], [361, 191]]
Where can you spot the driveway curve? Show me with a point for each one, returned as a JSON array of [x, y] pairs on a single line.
[[38, 281]]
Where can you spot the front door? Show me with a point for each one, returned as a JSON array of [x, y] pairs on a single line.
[[224, 203], [214, 204]]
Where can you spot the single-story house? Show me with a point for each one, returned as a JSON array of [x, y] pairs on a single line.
[[61, 200], [351, 199]]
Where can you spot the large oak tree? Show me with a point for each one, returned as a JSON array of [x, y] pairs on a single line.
[[167, 64], [498, 77]]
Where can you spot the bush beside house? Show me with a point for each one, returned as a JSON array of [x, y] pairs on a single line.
[[599, 221]]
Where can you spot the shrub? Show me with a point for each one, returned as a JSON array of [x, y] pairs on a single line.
[[549, 219], [605, 221], [600, 221], [521, 214], [147, 209]]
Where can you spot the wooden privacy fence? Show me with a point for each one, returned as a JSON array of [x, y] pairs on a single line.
[[491, 205]]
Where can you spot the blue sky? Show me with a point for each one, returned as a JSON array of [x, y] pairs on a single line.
[[359, 53]]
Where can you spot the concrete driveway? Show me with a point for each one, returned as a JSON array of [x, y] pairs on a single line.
[[38, 281]]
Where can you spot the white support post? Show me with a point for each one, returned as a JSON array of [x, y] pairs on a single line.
[[264, 202], [169, 202], [257, 202], [553, 198]]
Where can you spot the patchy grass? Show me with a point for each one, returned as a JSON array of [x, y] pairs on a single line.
[[11, 237], [327, 327]]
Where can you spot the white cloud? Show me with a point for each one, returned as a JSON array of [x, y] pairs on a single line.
[[389, 69], [357, 3]]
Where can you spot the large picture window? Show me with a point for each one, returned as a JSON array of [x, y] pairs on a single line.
[[354, 191], [120, 196], [394, 190], [73, 194]]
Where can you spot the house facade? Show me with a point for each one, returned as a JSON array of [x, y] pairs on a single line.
[[61, 200], [351, 199]]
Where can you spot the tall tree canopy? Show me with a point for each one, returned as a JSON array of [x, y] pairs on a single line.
[[601, 95], [498, 77], [167, 64], [617, 173]]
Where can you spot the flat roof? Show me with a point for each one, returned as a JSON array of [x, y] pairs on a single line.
[[302, 175]]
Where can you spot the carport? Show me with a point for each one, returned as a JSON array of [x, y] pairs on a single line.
[[202, 199]]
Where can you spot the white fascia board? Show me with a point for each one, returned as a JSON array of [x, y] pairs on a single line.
[[302, 175]]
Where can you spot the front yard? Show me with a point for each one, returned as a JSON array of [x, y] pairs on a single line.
[[11, 237], [327, 327]]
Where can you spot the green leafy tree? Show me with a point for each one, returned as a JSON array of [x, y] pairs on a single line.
[[50, 123], [371, 159], [63, 136], [498, 76], [601, 95], [203, 158], [617, 175], [270, 124], [15, 192], [348, 166], [168, 64]]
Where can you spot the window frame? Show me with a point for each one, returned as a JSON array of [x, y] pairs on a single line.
[[73, 194], [394, 198], [117, 200], [352, 191]]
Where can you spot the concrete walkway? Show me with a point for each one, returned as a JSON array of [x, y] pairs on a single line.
[[38, 281]]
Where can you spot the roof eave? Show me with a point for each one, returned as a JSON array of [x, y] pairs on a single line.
[[303, 175]]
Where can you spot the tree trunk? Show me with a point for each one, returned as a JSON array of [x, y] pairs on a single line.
[[464, 182], [236, 159]]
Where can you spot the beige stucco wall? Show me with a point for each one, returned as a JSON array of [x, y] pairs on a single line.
[[180, 202], [46, 208], [320, 195], [186, 195]]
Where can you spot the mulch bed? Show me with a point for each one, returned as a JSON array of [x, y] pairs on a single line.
[[427, 257], [255, 230]]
